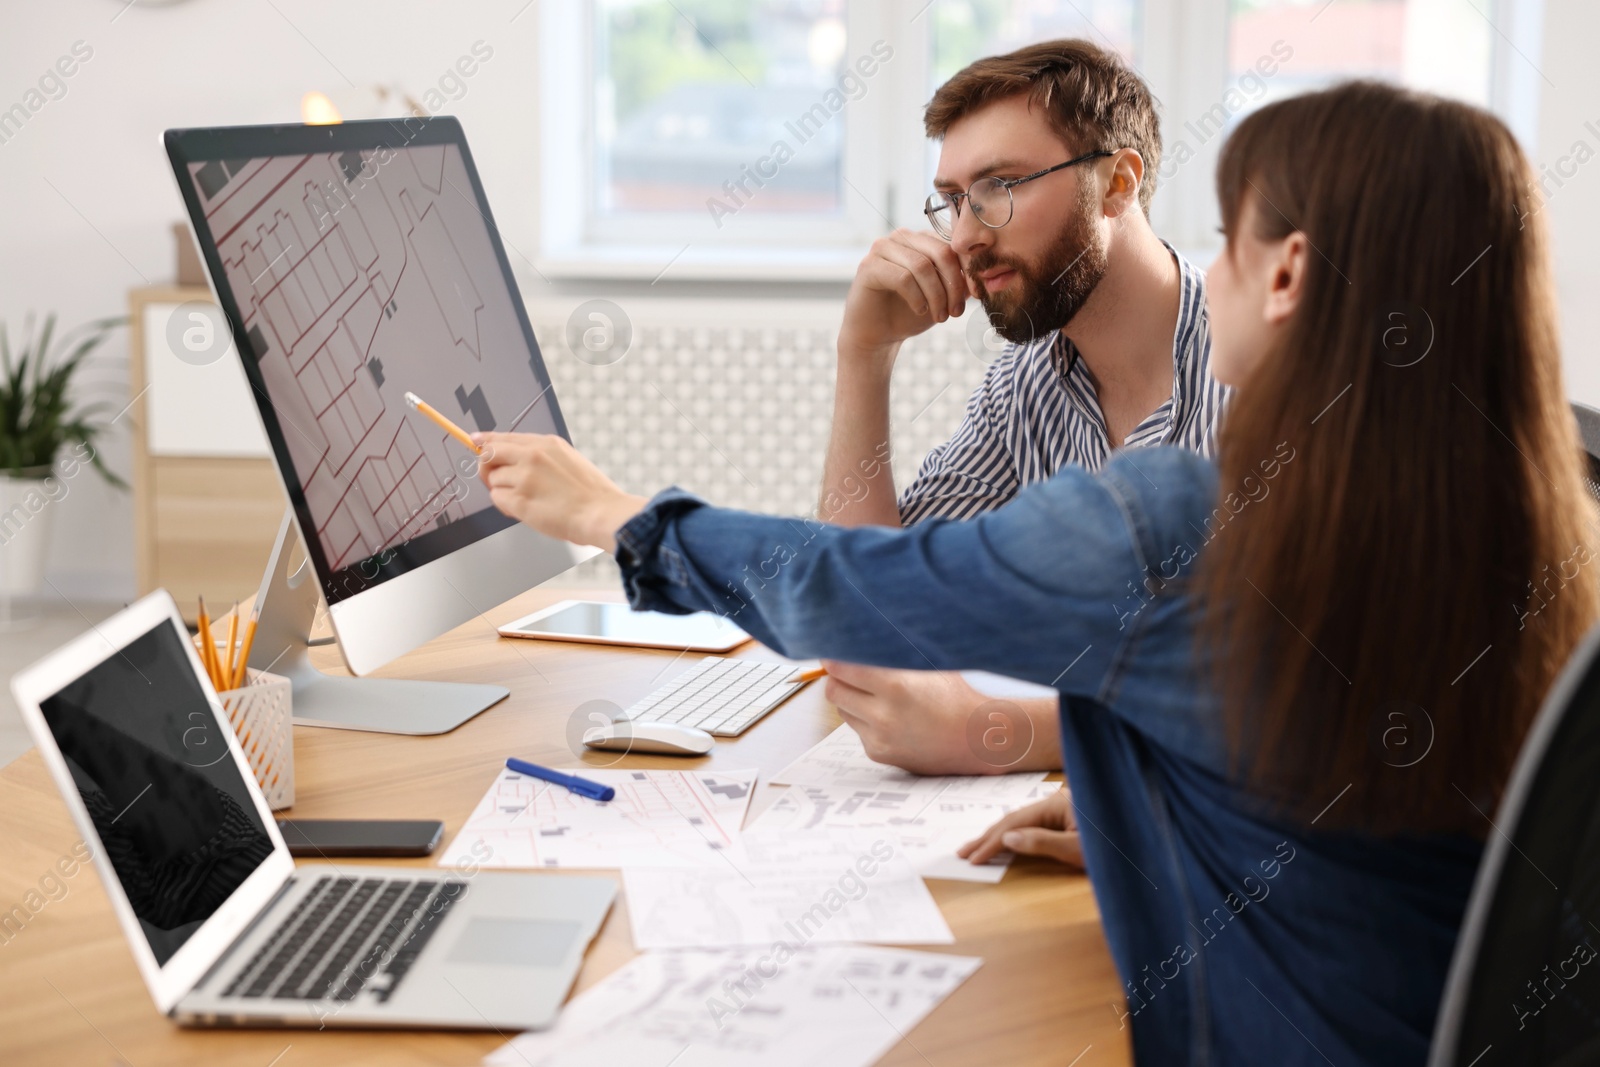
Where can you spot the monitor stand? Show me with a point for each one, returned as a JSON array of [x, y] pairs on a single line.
[[288, 606]]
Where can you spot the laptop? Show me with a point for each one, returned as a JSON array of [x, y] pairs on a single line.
[[225, 928]]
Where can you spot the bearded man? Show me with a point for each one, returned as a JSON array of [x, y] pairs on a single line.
[[1046, 171]]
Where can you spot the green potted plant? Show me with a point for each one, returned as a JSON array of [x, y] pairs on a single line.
[[46, 439]]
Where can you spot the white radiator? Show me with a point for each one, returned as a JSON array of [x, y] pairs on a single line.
[[733, 399]]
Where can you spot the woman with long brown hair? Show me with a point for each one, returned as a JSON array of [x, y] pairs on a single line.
[[1293, 682]]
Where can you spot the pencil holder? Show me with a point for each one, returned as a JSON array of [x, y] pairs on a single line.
[[262, 716]]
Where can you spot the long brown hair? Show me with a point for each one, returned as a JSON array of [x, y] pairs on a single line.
[[1390, 613]]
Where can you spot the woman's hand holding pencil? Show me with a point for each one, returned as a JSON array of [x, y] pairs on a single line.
[[423, 407]]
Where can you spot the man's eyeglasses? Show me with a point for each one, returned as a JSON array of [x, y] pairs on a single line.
[[990, 198]]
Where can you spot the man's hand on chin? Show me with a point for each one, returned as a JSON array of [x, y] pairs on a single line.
[[908, 282]]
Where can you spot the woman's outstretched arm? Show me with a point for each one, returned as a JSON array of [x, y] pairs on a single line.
[[1027, 591]]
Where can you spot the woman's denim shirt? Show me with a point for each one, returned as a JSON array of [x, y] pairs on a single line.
[[1240, 938]]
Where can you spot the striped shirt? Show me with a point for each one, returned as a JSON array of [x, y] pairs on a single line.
[[1036, 411]]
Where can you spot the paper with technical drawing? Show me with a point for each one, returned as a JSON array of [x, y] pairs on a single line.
[[929, 825], [658, 819], [839, 762], [842, 1005], [800, 887]]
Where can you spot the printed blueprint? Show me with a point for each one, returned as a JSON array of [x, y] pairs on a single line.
[[840, 1005], [658, 819]]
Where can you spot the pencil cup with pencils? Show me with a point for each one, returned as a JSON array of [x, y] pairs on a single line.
[[262, 719], [257, 705]]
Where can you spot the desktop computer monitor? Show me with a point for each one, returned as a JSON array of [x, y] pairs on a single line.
[[355, 263]]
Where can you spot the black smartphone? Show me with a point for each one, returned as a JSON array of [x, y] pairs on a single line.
[[316, 838]]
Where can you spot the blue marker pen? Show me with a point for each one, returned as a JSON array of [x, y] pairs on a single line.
[[581, 786]]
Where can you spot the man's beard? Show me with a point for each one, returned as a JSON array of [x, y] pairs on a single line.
[[1045, 295]]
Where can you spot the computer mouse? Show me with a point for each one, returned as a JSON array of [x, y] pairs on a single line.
[[653, 738]]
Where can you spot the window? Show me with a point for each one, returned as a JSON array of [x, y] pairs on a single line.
[[712, 137], [776, 138], [1441, 47], [965, 30], [683, 107]]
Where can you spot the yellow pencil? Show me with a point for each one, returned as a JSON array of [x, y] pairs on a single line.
[[812, 675], [242, 672], [208, 650], [445, 424], [226, 672]]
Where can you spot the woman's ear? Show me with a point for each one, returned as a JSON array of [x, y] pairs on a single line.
[[1286, 265], [1122, 191]]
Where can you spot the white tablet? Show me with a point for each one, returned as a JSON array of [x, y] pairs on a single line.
[[617, 624]]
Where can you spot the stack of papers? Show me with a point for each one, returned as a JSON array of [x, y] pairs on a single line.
[[754, 942], [844, 1006], [839, 761], [836, 786], [658, 819], [798, 888]]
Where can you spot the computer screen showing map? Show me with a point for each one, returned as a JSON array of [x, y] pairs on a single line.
[[359, 275]]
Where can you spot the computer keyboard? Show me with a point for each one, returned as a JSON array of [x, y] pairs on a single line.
[[345, 933], [724, 697]]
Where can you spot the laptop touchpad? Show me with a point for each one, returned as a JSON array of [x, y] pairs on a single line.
[[517, 942]]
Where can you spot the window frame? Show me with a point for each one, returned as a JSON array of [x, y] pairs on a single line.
[[1181, 49]]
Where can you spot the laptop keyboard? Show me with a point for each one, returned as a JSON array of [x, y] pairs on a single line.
[[346, 935]]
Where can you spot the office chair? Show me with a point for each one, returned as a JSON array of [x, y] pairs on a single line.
[[1524, 984], [1589, 429]]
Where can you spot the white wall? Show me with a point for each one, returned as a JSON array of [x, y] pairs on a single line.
[[206, 62], [1569, 113]]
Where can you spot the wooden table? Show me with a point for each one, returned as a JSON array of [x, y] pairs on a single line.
[[70, 994]]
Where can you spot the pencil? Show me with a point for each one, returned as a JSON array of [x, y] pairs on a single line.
[[208, 650], [242, 673], [812, 675], [445, 424], [226, 673]]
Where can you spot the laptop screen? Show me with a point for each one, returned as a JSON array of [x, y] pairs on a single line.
[[173, 814]]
